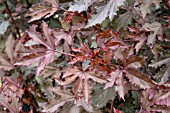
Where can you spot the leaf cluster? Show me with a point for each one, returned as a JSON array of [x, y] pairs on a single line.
[[85, 56]]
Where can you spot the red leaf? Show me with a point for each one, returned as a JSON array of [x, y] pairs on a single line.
[[85, 54]]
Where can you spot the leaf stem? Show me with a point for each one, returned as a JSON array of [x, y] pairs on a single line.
[[12, 19], [111, 107]]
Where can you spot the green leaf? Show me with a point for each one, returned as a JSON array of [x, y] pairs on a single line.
[[101, 97], [54, 23], [136, 95], [3, 27], [167, 32], [122, 21], [128, 107]]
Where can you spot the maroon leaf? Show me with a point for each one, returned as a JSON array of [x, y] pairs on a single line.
[[55, 103], [82, 87], [63, 35], [44, 54], [39, 10], [10, 103], [156, 99], [118, 81], [141, 80]]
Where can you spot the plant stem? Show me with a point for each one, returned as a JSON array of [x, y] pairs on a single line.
[[28, 3], [12, 19], [111, 107]]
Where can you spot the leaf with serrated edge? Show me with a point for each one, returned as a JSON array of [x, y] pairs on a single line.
[[138, 82], [112, 79], [159, 63], [7, 60], [156, 28], [120, 86], [145, 7], [100, 96], [109, 10], [82, 85], [155, 99], [81, 6], [118, 82], [39, 10], [143, 80], [43, 55], [12, 106], [55, 103], [63, 35]]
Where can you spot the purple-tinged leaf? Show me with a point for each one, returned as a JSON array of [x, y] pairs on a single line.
[[10, 103], [39, 10], [42, 55]]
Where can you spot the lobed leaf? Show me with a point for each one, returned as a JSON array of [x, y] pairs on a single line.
[[42, 56], [40, 10], [11, 104], [109, 10]]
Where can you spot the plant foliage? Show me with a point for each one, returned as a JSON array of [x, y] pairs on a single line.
[[84, 56]]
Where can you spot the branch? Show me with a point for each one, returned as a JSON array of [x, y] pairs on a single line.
[[28, 3], [111, 107], [12, 19]]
